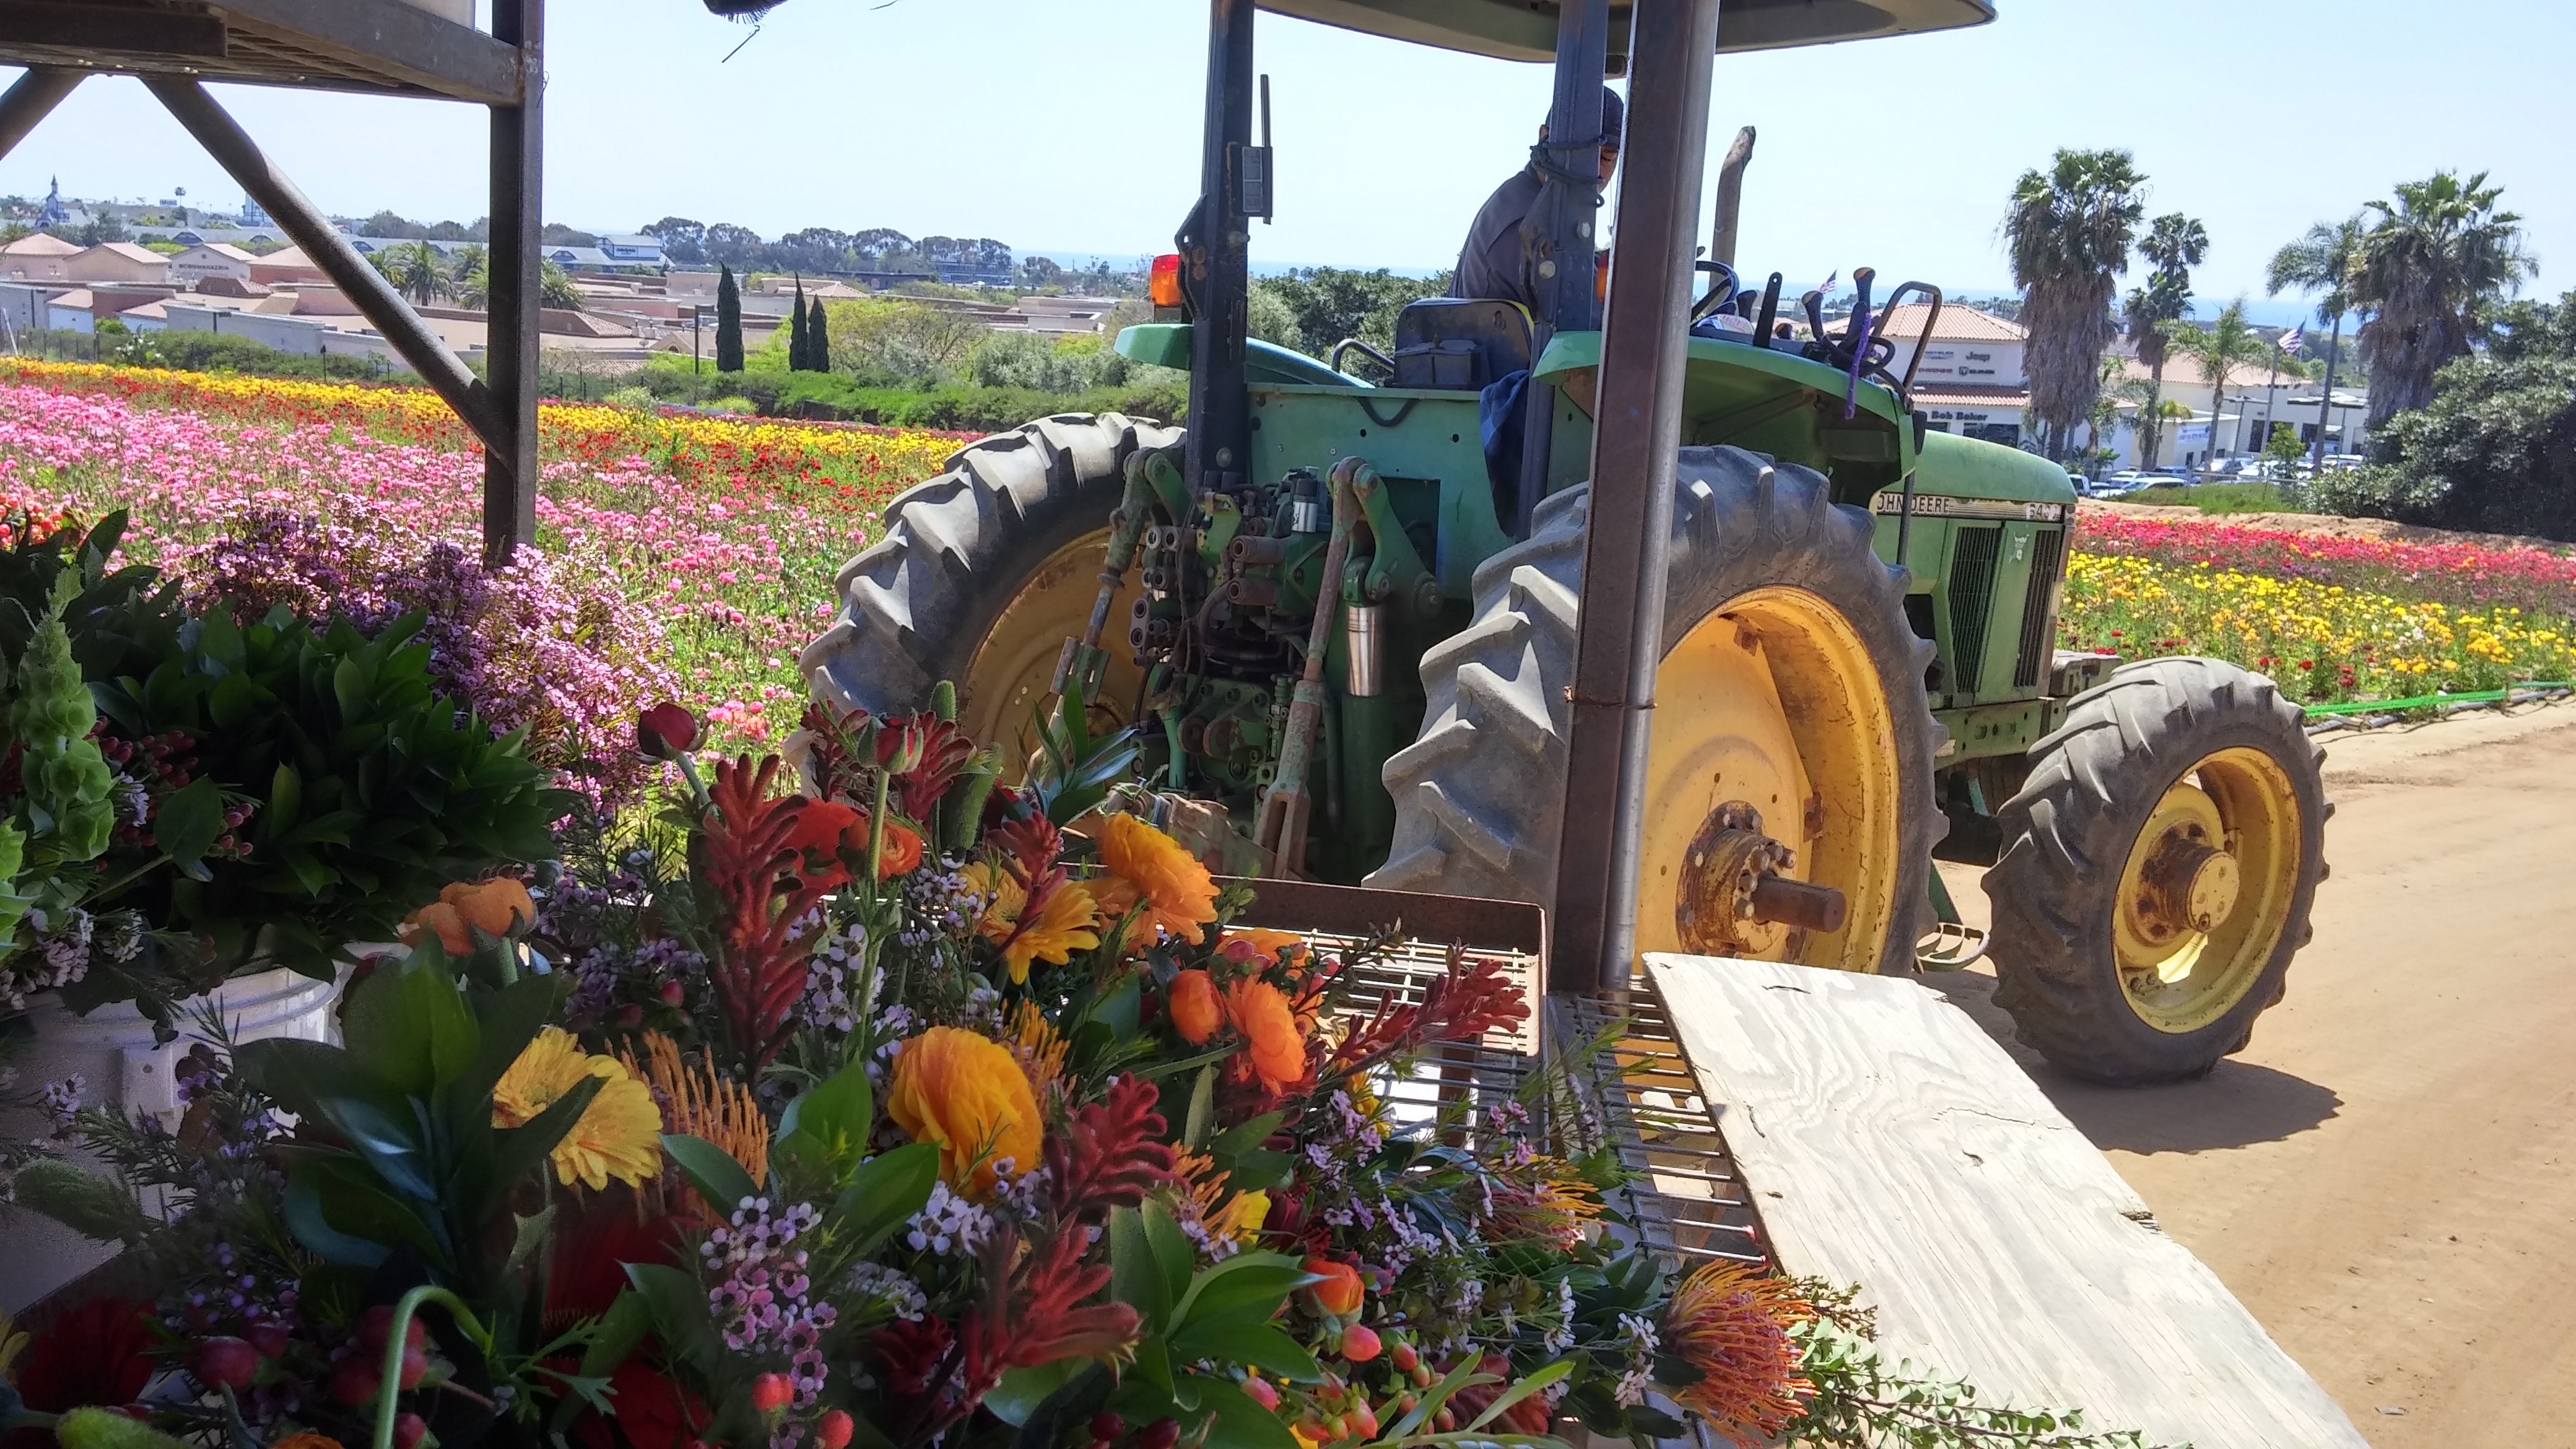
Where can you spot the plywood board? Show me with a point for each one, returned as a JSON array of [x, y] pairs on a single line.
[[1889, 1142]]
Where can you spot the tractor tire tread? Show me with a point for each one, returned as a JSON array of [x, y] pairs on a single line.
[[2068, 832], [956, 546]]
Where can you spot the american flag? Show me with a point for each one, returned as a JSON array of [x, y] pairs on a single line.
[[2293, 341]]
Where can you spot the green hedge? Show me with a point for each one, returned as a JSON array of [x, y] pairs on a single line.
[[956, 407]]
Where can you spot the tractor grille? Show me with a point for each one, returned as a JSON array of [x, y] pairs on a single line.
[[2047, 550], [1972, 602]]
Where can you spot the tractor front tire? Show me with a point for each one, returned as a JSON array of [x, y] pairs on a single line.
[[983, 572], [2158, 868], [1791, 686]]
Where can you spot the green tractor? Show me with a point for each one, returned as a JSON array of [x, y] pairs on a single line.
[[1347, 634]]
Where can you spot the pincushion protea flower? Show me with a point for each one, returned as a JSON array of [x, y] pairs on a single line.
[[1732, 1324]]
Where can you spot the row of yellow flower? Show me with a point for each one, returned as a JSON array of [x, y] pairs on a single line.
[[2322, 641]]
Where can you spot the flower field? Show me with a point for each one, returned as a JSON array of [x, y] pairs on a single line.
[[709, 545], [2331, 619], [722, 537]]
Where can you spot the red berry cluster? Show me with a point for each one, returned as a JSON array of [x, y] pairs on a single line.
[[360, 1374], [1109, 1431], [164, 764]]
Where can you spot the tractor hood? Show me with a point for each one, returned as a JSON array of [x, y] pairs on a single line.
[[1526, 29]]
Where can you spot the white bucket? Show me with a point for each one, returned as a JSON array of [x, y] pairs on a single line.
[[112, 1050]]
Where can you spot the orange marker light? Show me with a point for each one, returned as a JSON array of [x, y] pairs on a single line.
[[1164, 283]]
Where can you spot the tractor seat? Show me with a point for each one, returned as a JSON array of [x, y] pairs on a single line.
[[1460, 344]]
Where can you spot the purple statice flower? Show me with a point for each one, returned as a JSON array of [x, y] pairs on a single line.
[[526, 648], [948, 1224], [761, 1297], [61, 1101]]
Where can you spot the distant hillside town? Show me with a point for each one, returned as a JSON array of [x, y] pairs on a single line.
[[611, 298]]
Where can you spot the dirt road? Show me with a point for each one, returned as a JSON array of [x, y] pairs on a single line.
[[2387, 1176]]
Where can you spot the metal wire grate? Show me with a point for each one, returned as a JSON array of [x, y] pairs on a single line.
[[1638, 1096], [1687, 1200], [1972, 597]]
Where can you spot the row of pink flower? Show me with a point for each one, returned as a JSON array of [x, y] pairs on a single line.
[[2463, 575], [702, 591]]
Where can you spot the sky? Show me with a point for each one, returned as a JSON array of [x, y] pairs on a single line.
[[1072, 128]]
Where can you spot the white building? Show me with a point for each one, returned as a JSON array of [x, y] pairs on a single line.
[[211, 259], [1971, 380]]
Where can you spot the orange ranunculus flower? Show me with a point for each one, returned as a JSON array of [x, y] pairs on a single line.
[[902, 845], [1339, 1293], [495, 907], [1270, 1034], [439, 919], [966, 1092], [1253, 943], [1116, 897], [820, 824], [1196, 1010], [1179, 895]]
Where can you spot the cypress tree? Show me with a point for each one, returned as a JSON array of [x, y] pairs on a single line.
[[818, 339], [728, 322], [797, 360]]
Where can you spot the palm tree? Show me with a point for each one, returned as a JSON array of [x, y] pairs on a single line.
[[416, 272], [2428, 264], [2322, 261], [555, 289], [2175, 243], [2069, 232], [2221, 348], [2154, 411]]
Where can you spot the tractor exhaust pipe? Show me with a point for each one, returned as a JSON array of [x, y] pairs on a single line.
[[1730, 196]]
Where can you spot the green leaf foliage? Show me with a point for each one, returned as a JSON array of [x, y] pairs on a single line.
[[372, 791], [885, 1191]]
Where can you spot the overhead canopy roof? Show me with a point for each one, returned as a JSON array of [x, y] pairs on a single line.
[[1526, 29], [399, 47]]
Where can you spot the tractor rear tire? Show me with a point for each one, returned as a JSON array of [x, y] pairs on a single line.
[[982, 573], [1757, 547], [2198, 749]]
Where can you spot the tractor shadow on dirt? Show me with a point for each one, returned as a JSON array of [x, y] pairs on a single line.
[[2237, 1104]]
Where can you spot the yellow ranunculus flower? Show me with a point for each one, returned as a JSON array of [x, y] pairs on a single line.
[[966, 1092], [620, 1132]]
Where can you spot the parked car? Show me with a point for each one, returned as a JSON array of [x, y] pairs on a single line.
[[2113, 485]]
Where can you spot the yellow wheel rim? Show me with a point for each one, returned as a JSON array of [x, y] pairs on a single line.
[[1774, 702], [2205, 892], [1007, 677]]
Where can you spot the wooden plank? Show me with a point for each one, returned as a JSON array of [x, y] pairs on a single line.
[[1889, 1142]]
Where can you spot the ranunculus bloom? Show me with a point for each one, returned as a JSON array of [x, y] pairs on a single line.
[[1271, 1038], [495, 907], [1339, 1293], [820, 826], [619, 1134], [966, 1092], [1178, 894], [666, 731], [1257, 944], [1196, 1011], [902, 845], [439, 919]]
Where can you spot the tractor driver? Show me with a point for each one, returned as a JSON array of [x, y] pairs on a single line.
[[1500, 260]]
